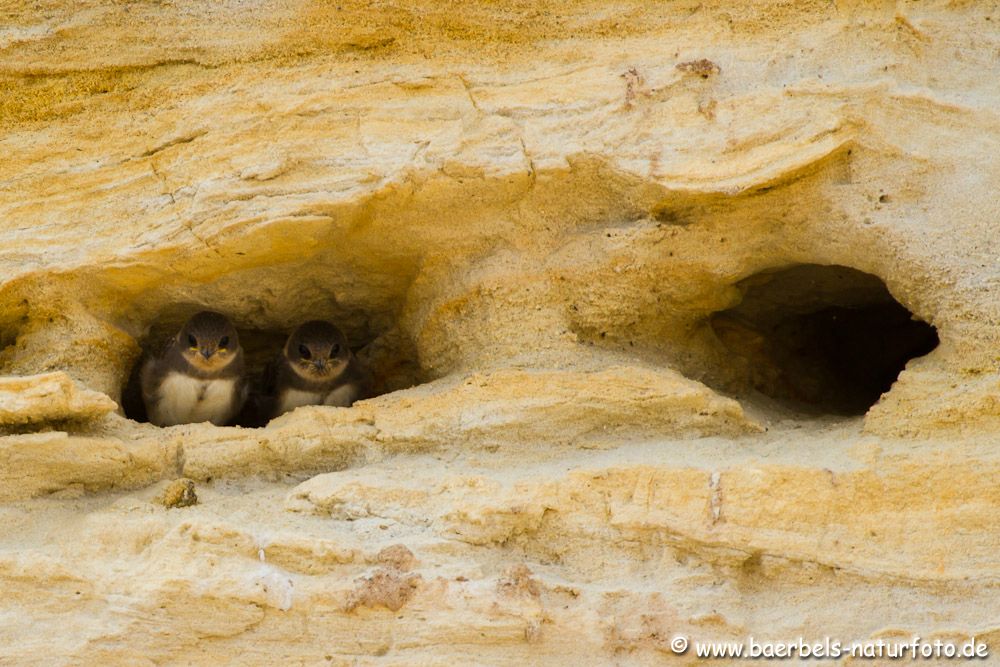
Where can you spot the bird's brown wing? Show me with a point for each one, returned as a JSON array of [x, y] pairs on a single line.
[[149, 379]]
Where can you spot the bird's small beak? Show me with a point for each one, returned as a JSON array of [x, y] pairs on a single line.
[[320, 364], [207, 353]]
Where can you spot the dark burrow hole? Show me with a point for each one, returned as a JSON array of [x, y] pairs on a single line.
[[821, 339], [390, 370]]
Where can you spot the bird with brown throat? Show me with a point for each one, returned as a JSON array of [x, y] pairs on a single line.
[[317, 367], [199, 377]]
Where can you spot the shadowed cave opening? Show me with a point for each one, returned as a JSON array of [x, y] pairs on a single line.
[[821, 339], [391, 367]]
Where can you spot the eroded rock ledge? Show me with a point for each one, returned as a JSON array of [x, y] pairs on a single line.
[[540, 225]]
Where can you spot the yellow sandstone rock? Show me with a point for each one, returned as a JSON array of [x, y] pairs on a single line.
[[52, 397], [631, 278], [179, 493]]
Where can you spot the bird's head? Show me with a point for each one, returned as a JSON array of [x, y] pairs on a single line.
[[317, 351], [208, 341]]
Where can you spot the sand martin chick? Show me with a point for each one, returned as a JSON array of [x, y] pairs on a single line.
[[199, 377], [316, 367]]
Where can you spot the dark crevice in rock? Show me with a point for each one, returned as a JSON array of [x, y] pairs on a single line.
[[822, 339], [390, 367]]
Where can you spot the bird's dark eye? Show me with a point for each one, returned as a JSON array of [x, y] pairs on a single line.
[[304, 352], [192, 341], [224, 342], [335, 350]]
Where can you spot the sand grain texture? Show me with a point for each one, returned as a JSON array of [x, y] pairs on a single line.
[[524, 215]]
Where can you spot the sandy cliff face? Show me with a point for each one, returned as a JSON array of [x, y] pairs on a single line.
[[557, 232]]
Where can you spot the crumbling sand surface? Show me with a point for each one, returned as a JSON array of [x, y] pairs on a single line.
[[528, 218]]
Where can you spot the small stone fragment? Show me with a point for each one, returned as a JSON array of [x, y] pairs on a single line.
[[517, 581], [703, 68], [386, 587], [179, 493], [396, 556]]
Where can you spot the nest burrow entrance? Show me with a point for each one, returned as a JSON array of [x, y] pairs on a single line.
[[387, 356], [821, 339]]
